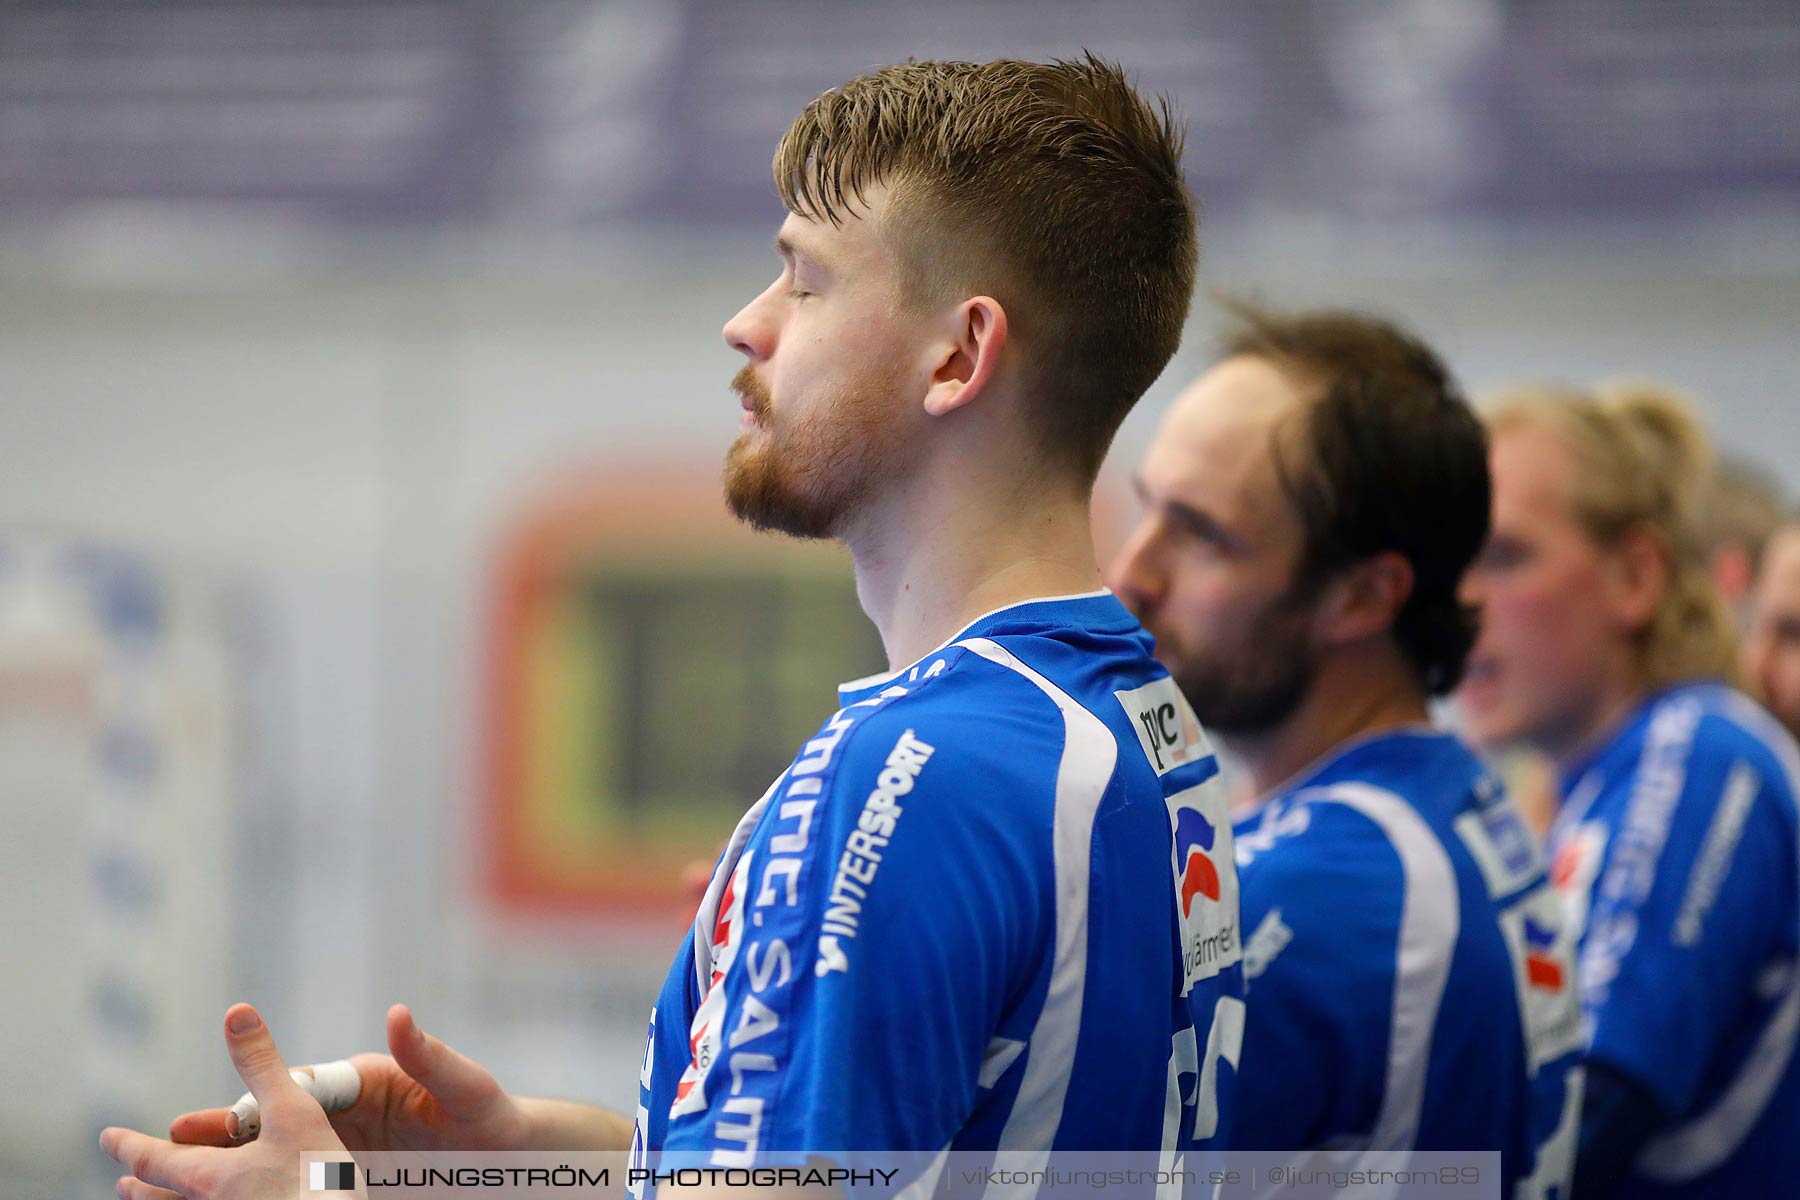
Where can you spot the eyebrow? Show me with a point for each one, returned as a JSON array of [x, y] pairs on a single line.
[[1203, 522], [785, 247]]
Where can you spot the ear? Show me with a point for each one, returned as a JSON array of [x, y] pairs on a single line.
[[1366, 598], [1637, 576], [970, 358]]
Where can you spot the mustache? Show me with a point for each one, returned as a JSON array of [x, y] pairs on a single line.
[[746, 384]]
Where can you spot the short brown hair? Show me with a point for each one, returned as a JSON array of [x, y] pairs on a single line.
[[1386, 456], [1643, 461], [1054, 187]]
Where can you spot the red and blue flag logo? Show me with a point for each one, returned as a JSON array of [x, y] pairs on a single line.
[[1194, 837], [1541, 969]]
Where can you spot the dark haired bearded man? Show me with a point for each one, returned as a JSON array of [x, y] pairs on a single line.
[[1312, 503], [991, 905]]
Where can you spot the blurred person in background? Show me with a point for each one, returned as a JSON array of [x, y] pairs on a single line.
[[983, 268], [1311, 505], [1742, 510], [1605, 645], [1771, 652]]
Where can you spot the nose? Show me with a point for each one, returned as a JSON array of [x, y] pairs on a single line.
[[752, 331], [1135, 574]]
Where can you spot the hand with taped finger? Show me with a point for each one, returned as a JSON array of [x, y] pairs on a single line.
[[292, 1124], [425, 1096], [335, 1085]]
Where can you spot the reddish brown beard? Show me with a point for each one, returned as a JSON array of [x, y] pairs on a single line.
[[807, 478]]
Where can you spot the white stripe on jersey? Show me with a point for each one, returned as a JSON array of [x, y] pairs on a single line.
[[1430, 920], [1089, 755], [1704, 1143], [1001, 1053]]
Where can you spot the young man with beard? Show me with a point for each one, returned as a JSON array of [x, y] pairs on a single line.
[[991, 905], [1311, 503]]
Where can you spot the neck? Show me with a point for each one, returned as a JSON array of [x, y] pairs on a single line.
[[1363, 690], [941, 552], [1578, 733]]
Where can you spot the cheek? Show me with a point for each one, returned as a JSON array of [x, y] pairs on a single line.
[[1785, 675], [1547, 597], [797, 383], [1512, 610], [1543, 620], [1211, 611]]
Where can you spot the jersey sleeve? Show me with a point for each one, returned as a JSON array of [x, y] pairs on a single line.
[[1321, 914], [1683, 917], [887, 911]]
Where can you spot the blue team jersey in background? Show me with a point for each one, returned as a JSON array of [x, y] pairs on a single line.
[[1410, 971], [1677, 849], [991, 905]]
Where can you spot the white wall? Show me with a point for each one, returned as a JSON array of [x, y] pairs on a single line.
[[346, 448]]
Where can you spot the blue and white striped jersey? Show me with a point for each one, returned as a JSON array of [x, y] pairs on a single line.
[[991, 905], [1678, 849], [1411, 974]]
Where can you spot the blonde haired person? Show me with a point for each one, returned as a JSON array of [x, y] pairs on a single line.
[[1605, 646]]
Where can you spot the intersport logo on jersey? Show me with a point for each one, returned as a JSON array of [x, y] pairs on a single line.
[[1206, 887]]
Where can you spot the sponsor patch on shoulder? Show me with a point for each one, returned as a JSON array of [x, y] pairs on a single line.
[[1206, 882], [1501, 846], [1542, 945], [1165, 725]]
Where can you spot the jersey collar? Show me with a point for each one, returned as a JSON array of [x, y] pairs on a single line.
[[1349, 750], [1583, 762], [1086, 610]]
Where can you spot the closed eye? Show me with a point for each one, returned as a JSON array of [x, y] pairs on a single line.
[[1202, 527], [1502, 554], [1188, 521]]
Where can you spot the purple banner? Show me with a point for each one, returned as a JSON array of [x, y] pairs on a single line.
[[572, 114]]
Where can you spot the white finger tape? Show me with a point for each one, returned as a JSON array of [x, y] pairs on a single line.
[[335, 1085]]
